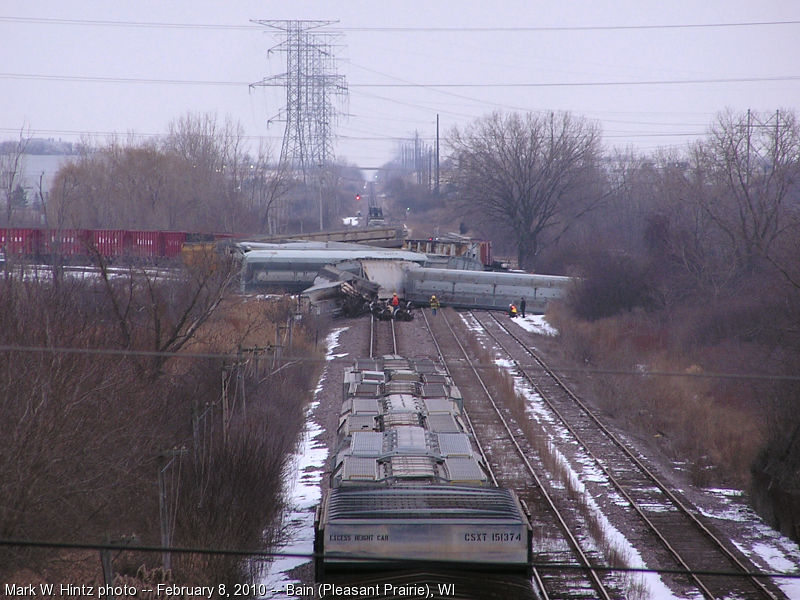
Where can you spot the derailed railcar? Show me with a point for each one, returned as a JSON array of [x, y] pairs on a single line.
[[408, 483], [294, 267], [484, 289]]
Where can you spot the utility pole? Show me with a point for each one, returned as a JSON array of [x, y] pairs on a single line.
[[311, 83], [436, 188], [430, 168], [417, 167], [747, 169]]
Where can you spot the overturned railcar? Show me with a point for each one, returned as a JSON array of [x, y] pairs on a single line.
[[294, 267], [484, 289], [409, 486]]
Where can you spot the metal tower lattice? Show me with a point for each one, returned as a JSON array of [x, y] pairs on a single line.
[[311, 85]]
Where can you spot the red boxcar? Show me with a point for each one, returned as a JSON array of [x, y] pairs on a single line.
[[19, 241], [141, 244], [42, 244], [63, 242], [109, 242], [170, 243]]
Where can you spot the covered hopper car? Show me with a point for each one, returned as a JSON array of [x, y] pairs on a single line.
[[408, 484]]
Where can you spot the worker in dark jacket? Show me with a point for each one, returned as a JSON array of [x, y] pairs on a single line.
[[522, 306]]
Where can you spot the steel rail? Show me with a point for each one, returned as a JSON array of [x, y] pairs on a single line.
[[598, 463], [633, 458], [596, 582], [372, 335], [463, 410]]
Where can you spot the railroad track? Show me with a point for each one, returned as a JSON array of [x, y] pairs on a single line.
[[499, 438], [382, 337], [657, 517]]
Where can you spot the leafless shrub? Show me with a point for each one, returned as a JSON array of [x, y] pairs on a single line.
[[72, 457], [610, 284], [693, 418], [86, 433]]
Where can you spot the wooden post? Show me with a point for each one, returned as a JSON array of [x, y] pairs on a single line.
[[108, 568], [225, 411], [240, 379], [163, 512], [165, 459]]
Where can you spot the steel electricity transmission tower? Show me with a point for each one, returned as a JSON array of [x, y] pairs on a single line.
[[312, 85]]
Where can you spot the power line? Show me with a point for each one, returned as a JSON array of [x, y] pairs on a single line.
[[222, 26], [312, 555], [73, 132], [365, 137], [452, 94], [523, 84], [305, 359], [136, 24], [116, 352], [570, 27], [583, 83], [86, 79]]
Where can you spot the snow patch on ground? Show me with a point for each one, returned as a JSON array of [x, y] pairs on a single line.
[[303, 490], [762, 544], [656, 589], [537, 324]]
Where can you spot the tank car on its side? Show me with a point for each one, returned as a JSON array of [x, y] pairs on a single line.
[[408, 483]]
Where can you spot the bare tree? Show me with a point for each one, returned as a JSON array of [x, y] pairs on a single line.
[[266, 187], [199, 178], [748, 166], [164, 313], [11, 171], [679, 234], [535, 175], [210, 154]]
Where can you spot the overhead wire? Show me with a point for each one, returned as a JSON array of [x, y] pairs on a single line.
[[398, 29], [211, 550], [519, 84], [443, 88], [607, 134], [585, 371]]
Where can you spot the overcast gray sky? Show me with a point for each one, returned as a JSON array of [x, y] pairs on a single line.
[[595, 58]]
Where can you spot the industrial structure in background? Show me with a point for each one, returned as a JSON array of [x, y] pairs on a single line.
[[311, 84], [374, 209]]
